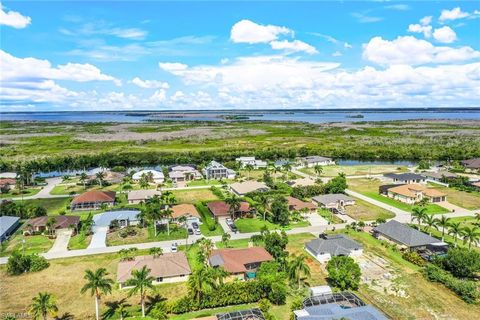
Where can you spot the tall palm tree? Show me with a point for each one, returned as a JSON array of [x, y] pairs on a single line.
[[443, 223], [217, 275], [141, 281], [298, 267], [318, 170], [287, 167], [234, 204], [199, 282], [97, 283], [206, 247], [418, 213], [183, 222], [50, 224], [42, 305], [155, 252], [264, 201], [100, 176], [167, 215], [83, 178], [455, 230], [144, 182], [430, 222], [249, 168], [225, 238], [471, 236]]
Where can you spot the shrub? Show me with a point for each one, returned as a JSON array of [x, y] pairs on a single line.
[[38, 263], [278, 293], [461, 262], [218, 192], [344, 273], [19, 263], [413, 257]]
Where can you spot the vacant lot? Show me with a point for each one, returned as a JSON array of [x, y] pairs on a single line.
[[356, 170], [53, 205], [193, 196], [246, 225], [365, 211], [467, 200], [17, 194]]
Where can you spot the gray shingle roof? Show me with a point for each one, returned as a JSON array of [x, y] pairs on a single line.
[[335, 245], [6, 223], [404, 234], [404, 176], [332, 198]]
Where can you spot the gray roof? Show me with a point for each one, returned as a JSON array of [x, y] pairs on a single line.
[[281, 162], [335, 245], [333, 311], [404, 176], [106, 218], [314, 159], [331, 198], [6, 222], [404, 234], [439, 175], [216, 260], [215, 165]]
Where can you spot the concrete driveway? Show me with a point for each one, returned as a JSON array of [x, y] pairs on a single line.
[[99, 237], [61, 242], [316, 220]]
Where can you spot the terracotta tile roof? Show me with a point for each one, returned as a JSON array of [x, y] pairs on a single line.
[[7, 181], [170, 264], [248, 186], [410, 190], [95, 196], [184, 209], [297, 204], [61, 222], [234, 260], [142, 194], [221, 208]]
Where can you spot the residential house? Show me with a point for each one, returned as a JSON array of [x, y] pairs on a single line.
[[405, 236], [221, 209], [39, 224], [155, 177], [383, 189], [471, 164], [255, 163], [124, 218], [439, 176], [9, 175], [405, 178], [281, 163], [295, 204], [413, 193], [8, 225], [137, 196], [92, 200], [328, 246], [475, 184], [334, 200], [111, 177], [7, 184], [184, 173], [186, 210], [242, 188], [312, 161], [166, 268], [240, 263], [218, 171]]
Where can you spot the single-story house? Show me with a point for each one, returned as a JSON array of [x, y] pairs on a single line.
[[242, 188], [328, 246], [295, 204], [334, 200], [137, 196], [93, 199], [39, 224], [109, 176], [281, 162], [257, 164], [166, 268], [438, 176], [405, 178], [124, 217], [405, 236], [383, 189], [186, 210], [413, 193], [184, 173], [471, 164], [10, 175], [241, 263], [218, 171], [7, 183], [222, 209], [312, 161], [155, 177], [302, 182], [8, 225]]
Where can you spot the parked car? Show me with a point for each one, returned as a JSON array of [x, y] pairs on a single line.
[[195, 225], [229, 221], [233, 227], [190, 231], [197, 232], [174, 247]]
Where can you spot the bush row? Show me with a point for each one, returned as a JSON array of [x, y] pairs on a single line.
[[19, 263]]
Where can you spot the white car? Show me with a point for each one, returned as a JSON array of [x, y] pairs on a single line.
[[197, 232], [174, 247]]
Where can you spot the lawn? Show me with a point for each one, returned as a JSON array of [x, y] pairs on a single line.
[[71, 188], [193, 196], [16, 193], [369, 188], [466, 221], [146, 235], [79, 241], [356, 170], [329, 216], [53, 205], [33, 244], [467, 200], [203, 182], [247, 225], [208, 220], [365, 211]]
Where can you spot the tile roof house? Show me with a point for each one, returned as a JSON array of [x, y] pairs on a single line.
[[93, 199], [312, 161], [240, 262], [166, 268], [7, 183], [404, 235], [109, 176], [218, 171], [242, 188], [295, 204], [413, 193], [244, 161], [137, 196], [39, 224], [334, 200], [471, 164], [222, 209], [8, 225], [405, 178], [184, 173], [329, 246], [184, 210]]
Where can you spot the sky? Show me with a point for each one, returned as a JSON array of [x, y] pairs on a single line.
[[156, 55]]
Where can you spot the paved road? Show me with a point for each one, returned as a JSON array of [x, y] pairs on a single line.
[[45, 192]]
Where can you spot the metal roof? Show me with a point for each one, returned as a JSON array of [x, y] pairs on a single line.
[[106, 218]]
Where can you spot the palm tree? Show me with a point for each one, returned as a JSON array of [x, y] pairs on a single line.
[[318, 170], [471, 236], [443, 223], [144, 182], [287, 167], [217, 275], [42, 305], [166, 214], [198, 283], [234, 204], [100, 176], [418, 213], [430, 222], [155, 252], [141, 281], [97, 283], [455, 230], [249, 168], [264, 202], [225, 238], [298, 266], [206, 247], [83, 179], [50, 224]]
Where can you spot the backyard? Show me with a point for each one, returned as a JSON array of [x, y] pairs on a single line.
[[467, 200]]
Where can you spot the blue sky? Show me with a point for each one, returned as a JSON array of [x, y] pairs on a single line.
[[238, 55]]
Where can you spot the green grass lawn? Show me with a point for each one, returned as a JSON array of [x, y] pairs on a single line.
[[79, 241], [208, 220], [147, 235], [204, 182], [329, 216], [16, 193], [53, 205], [365, 211], [246, 225], [356, 170], [467, 200], [33, 244], [193, 196]]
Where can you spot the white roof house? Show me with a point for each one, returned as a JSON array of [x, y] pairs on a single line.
[[157, 176], [312, 161], [9, 175], [244, 161], [216, 170], [136, 196], [181, 173], [242, 188]]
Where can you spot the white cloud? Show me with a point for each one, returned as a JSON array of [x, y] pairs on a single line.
[[172, 66], [398, 7], [413, 51], [364, 18], [417, 28], [454, 14], [425, 21], [246, 31], [337, 54], [149, 84], [347, 45], [293, 46], [103, 28], [13, 19], [445, 35]]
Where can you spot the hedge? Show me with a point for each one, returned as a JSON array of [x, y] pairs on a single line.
[[206, 216]]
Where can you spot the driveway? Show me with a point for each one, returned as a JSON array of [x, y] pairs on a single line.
[[316, 220], [99, 237], [45, 192], [225, 227], [61, 242]]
